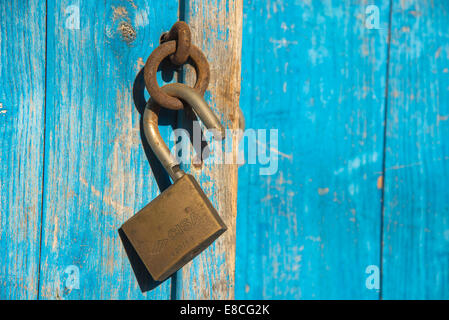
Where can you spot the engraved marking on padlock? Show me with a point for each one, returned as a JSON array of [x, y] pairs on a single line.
[[186, 225], [159, 246]]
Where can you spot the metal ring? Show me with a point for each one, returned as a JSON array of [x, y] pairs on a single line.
[[160, 53], [181, 33]]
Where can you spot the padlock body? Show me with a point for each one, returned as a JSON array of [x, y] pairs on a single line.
[[174, 228]]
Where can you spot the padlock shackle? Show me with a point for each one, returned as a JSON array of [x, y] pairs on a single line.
[[157, 144], [151, 127], [199, 105]]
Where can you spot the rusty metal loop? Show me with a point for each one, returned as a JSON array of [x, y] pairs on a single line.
[[180, 32], [198, 60]]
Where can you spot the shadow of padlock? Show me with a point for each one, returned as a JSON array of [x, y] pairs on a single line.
[[181, 222]]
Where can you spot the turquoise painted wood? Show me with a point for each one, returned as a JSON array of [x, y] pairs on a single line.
[[22, 97], [314, 72], [83, 167], [416, 216], [362, 152], [96, 173]]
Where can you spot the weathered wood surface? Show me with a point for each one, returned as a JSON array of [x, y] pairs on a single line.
[[216, 28], [22, 109], [416, 221], [313, 71], [96, 171], [71, 149]]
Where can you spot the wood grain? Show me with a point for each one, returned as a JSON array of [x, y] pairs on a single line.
[[96, 171], [416, 222], [22, 97], [216, 28], [312, 70], [74, 166]]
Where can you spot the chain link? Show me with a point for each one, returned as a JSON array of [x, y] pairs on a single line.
[[176, 44]]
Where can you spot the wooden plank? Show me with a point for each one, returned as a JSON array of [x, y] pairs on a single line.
[[96, 172], [312, 70], [216, 28], [22, 97], [416, 222]]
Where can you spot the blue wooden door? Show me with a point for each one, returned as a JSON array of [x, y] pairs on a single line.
[[351, 203], [22, 116], [358, 208], [75, 165]]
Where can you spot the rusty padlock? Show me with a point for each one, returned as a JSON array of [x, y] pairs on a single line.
[[181, 222]]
